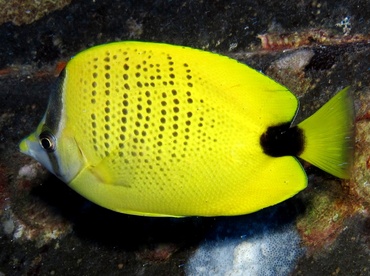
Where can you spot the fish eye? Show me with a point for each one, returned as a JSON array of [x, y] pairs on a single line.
[[47, 141]]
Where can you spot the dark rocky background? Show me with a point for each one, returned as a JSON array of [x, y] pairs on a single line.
[[47, 229]]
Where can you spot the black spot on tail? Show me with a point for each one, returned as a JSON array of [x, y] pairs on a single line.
[[282, 140]]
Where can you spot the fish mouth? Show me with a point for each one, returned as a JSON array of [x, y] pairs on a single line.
[[25, 146]]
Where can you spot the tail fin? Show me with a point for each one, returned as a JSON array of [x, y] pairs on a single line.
[[329, 135]]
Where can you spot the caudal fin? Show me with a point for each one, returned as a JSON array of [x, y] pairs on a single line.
[[329, 135]]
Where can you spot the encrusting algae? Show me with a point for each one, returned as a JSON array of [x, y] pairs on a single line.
[[26, 12]]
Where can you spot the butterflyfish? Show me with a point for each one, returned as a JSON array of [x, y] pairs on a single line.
[[155, 129]]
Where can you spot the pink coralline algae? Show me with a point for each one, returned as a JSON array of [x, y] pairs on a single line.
[[310, 37]]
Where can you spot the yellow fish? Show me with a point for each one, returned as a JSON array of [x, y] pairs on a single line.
[[161, 130]]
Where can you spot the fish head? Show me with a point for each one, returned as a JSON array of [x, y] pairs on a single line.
[[53, 144], [57, 152]]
